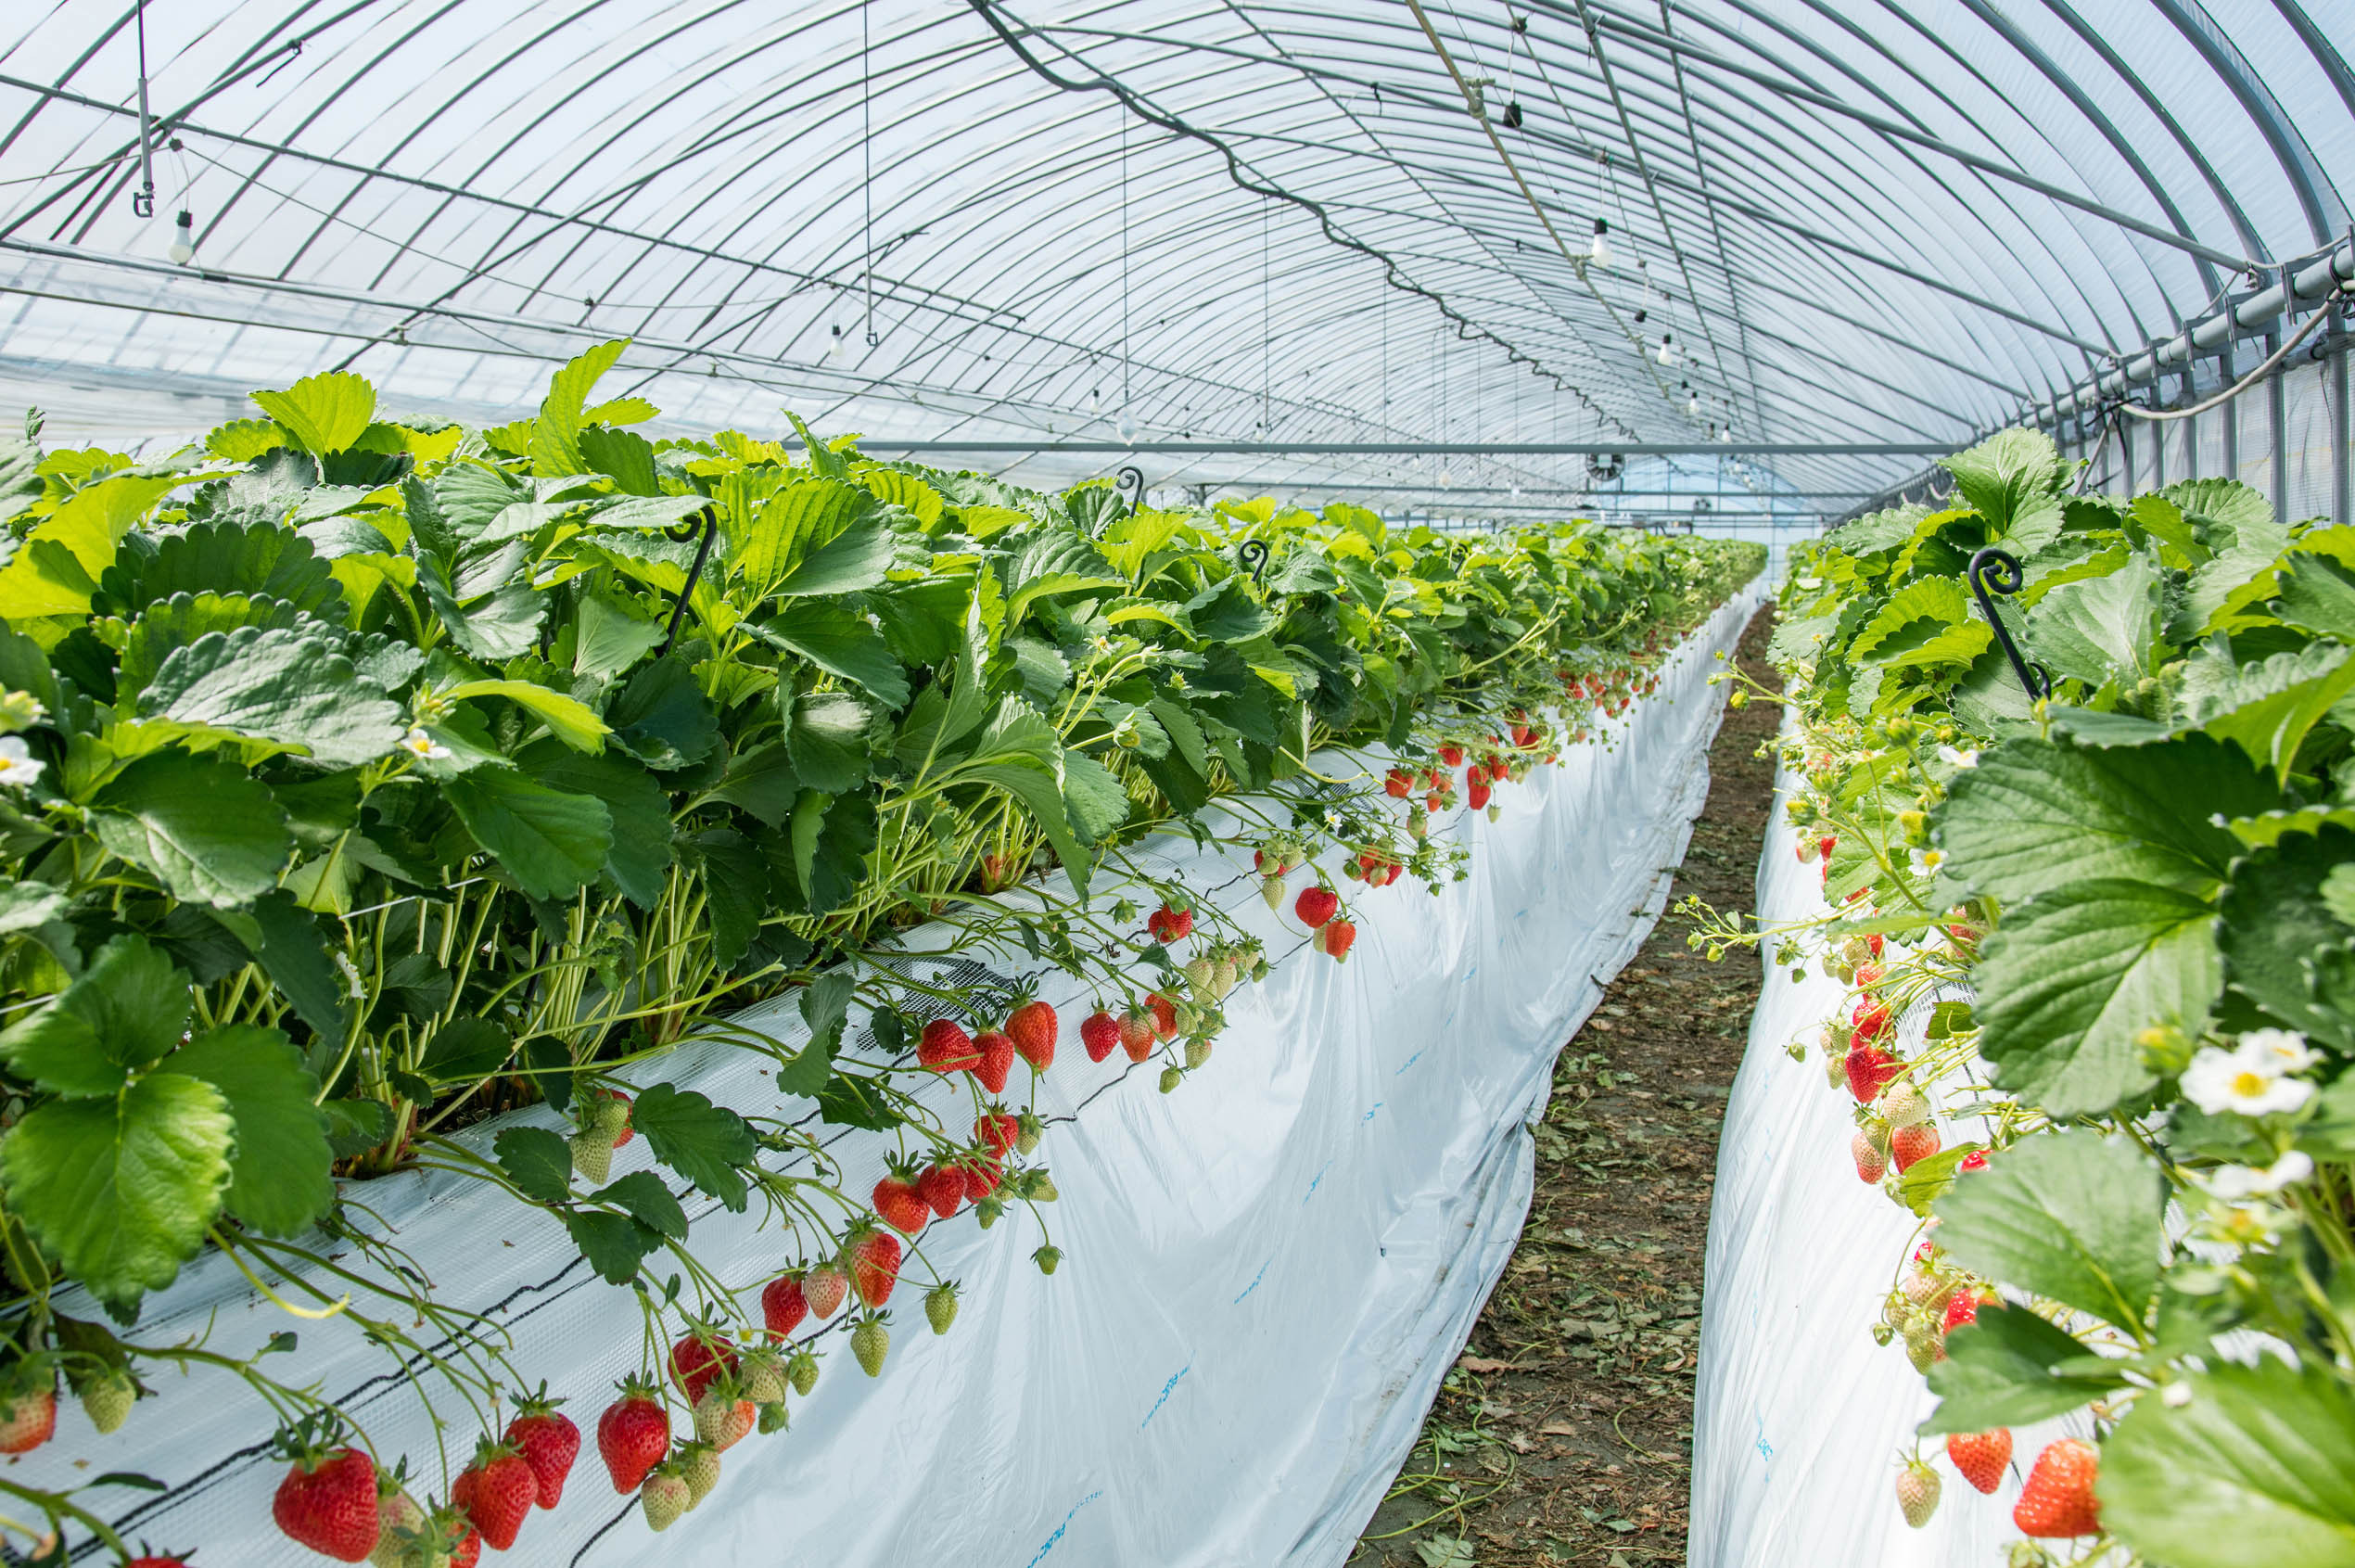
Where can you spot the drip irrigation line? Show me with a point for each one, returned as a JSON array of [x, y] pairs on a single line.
[[1466, 327], [2345, 290]]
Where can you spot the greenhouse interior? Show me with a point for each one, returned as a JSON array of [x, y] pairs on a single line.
[[1667, 692]]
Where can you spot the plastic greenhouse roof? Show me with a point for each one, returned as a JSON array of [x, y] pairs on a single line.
[[1868, 221]]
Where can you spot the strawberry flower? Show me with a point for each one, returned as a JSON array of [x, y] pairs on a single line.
[[1954, 757], [2286, 1049], [18, 767], [2249, 1080], [2235, 1183]]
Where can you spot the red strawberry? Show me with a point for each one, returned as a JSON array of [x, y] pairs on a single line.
[[1476, 775], [28, 1420], [1872, 944], [1434, 801], [1824, 848], [901, 1205], [874, 1264], [997, 1129], [1137, 1033], [176, 1560], [1337, 936], [981, 1178], [1477, 796], [496, 1493], [633, 1434], [548, 1441], [1870, 1157], [329, 1503], [696, 1361], [1982, 1456], [1452, 755], [1315, 905], [461, 1542], [1871, 1019], [824, 1289], [1398, 783], [1868, 974], [1099, 1033], [1963, 1307], [1169, 926], [1869, 1070], [942, 1187], [782, 1305], [1033, 1028], [946, 1047], [1908, 1144], [2057, 1501], [997, 1059], [1165, 1015], [1975, 1160]]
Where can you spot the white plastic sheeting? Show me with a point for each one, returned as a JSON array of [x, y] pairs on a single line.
[[1799, 1421], [1268, 1271]]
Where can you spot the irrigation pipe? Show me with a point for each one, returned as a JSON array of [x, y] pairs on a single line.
[[2322, 314]]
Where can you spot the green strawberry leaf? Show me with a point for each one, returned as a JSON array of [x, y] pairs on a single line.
[[2256, 1469], [2073, 1216], [537, 1161], [553, 842], [641, 1195], [278, 685], [709, 1144], [120, 1191], [325, 413], [614, 1245], [279, 1181], [126, 1011], [1998, 1371], [207, 829]]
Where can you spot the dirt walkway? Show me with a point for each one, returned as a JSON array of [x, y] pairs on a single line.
[[1564, 1434]]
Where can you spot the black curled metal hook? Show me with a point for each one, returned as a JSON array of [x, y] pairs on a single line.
[[707, 523], [1999, 571], [1129, 484], [1254, 555]]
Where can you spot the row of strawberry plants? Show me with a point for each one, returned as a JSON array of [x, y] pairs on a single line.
[[361, 778], [2101, 849]]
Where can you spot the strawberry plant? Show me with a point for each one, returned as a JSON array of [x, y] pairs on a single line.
[[2088, 855], [361, 780]]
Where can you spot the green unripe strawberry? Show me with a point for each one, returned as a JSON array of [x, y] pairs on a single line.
[[1170, 1078], [1272, 889], [988, 1210], [699, 1467], [1199, 973], [592, 1157], [106, 1399], [612, 1119], [1047, 1257], [940, 1306], [802, 1372], [665, 1496], [762, 1372], [1197, 1053], [871, 1342], [773, 1418], [1028, 1130]]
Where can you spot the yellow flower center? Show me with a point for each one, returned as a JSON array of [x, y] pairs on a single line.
[[2248, 1085]]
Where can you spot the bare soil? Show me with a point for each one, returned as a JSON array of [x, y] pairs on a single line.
[[1563, 1433]]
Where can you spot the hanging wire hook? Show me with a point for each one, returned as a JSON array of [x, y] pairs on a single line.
[[1129, 483], [1253, 555], [2001, 569], [143, 201], [708, 522]]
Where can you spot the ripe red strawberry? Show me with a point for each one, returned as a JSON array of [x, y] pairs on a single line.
[[1315, 905], [28, 1420], [946, 1048], [633, 1434], [997, 1129], [897, 1199], [1033, 1028], [329, 1503], [1980, 1457], [1397, 783], [496, 1493], [1138, 1032], [824, 1288], [1908, 1144], [461, 1542], [548, 1441], [1871, 1019], [981, 1178], [1963, 1308], [1476, 775], [1869, 1070], [996, 1059], [1101, 1034], [1452, 755], [172, 1559], [943, 1188], [1477, 796], [782, 1305], [1824, 848], [875, 1263], [1165, 1015], [1871, 1158], [2057, 1501], [1169, 926], [1873, 944], [1337, 936], [1975, 1160], [697, 1360]]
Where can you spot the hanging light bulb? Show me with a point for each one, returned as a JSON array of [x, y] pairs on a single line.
[[1667, 348], [1692, 401], [1446, 478], [184, 237], [1598, 252], [1127, 426], [1726, 434], [1095, 400], [833, 349]]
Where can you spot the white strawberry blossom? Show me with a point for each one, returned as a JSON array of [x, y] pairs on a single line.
[[424, 745], [2286, 1049], [2235, 1183], [2247, 1082], [1954, 758], [17, 765], [1926, 862]]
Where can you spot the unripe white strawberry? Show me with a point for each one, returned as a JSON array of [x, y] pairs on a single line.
[[1918, 1487], [1902, 1105]]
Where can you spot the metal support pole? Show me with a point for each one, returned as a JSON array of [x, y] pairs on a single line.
[[2278, 411], [2342, 442]]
